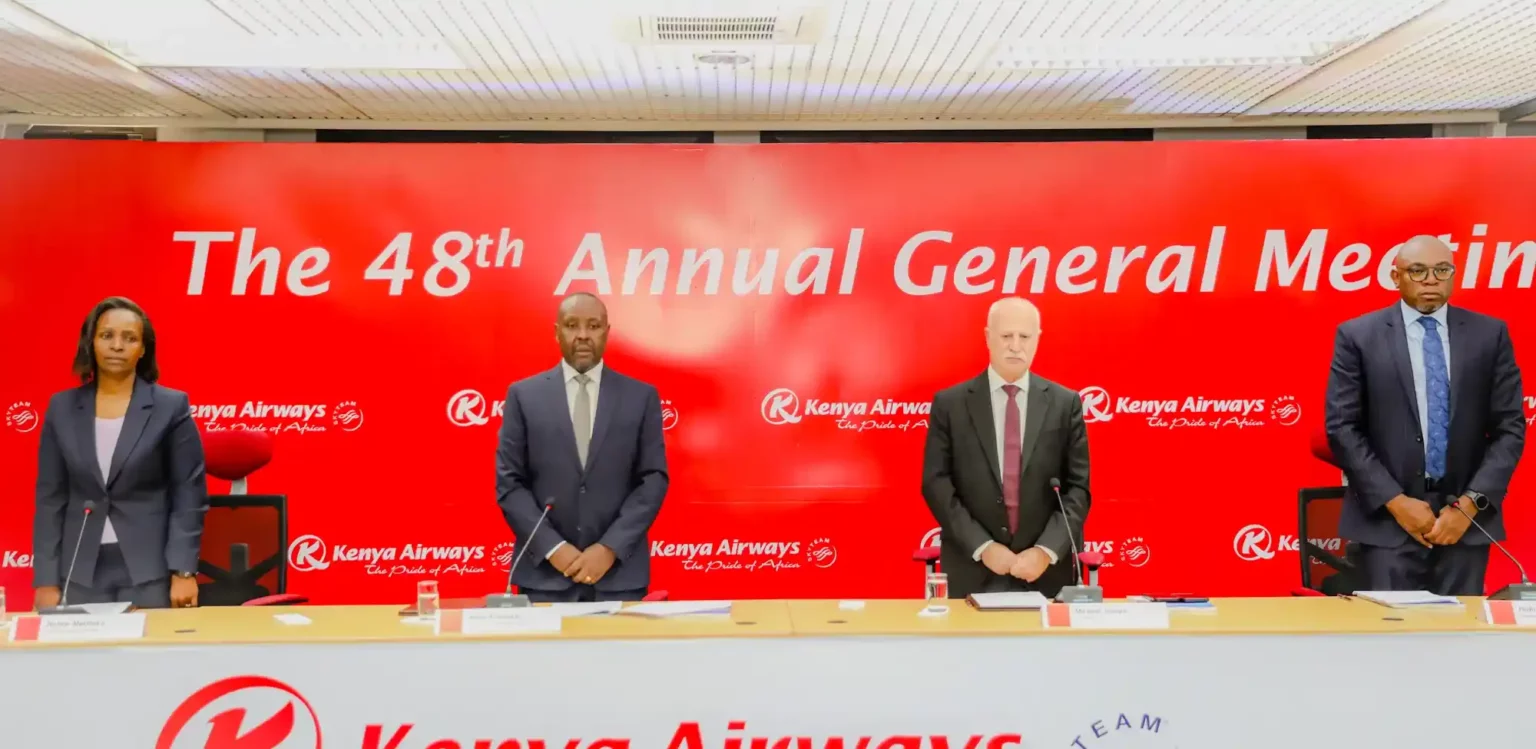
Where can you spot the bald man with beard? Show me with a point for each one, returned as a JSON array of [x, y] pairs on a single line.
[[1424, 415], [995, 442]]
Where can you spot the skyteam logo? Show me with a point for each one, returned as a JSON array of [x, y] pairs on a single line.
[[1124, 731], [783, 407], [1190, 412]]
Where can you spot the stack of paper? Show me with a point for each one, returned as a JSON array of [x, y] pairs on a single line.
[[1022, 601], [585, 608], [1419, 600], [664, 609]]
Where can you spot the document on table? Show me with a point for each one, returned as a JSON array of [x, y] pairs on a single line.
[[587, 608], [666, 609], [103, 609], [1411, 599], [1030, 600]]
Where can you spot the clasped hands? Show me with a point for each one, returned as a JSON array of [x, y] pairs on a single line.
[[586, 567], [1027, 565], [1424, 526]]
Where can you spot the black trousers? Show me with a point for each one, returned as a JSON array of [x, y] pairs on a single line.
[[112, 584], [581, 594], [1456, 570]]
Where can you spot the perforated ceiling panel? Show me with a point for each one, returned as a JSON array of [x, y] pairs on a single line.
[[848, 61]]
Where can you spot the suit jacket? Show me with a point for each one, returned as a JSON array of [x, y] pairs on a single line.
[[963, 486], [156, 492], [611, 500], [1372, 420]]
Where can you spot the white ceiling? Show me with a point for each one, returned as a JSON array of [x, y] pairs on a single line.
[[832, 64]]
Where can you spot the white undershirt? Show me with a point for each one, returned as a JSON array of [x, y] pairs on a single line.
[[107, 431]]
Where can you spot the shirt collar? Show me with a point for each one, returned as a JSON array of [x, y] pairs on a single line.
[[1411, 316], [995, 381], [568, 372]]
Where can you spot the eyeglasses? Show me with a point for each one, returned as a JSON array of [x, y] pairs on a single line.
[[1421, 273]]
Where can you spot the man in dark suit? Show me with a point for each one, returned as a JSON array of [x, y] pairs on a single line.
[[1424, 414], [589, 440], [994, 444]]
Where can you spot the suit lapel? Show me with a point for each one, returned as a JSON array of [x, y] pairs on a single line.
[[1397, 342], [1458, 339], [607, 405], [978, 401], [84, 427], [1034, 418], [140, 406], [554, 383]]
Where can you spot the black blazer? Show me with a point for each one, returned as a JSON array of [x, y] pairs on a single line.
[[156, 492], [1372, 420], [964, 488], [611, 500]]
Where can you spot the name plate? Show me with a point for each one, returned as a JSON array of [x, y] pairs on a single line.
[[1105, 616], [1509, 613], [78, 628], [523, 621]]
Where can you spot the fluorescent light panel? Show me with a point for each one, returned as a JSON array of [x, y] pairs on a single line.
[[195, 34], [318, 53], [1164, 52]]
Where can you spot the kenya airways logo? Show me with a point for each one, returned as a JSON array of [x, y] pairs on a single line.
[[1530, 410], [469, 408], [782, 407], [242, 712], [22, 417], [1195, 411], [310, 553], [1255, 543]]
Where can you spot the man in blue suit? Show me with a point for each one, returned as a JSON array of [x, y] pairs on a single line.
[[588, 440], [1424, 414]]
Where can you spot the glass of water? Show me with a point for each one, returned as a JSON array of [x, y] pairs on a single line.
[[426, 600], [938, 589]]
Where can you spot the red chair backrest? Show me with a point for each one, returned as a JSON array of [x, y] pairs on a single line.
[[233, 455], [1321, 449]]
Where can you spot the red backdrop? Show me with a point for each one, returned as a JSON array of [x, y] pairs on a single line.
[[773, 494]]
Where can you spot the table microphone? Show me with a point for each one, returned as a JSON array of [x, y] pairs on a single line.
[[1521, 591], [508, 600], [1076, 592], [64, 607]]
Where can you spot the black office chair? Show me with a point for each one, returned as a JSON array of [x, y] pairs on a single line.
[[237, 529], [1318, 517], [1321, 569]]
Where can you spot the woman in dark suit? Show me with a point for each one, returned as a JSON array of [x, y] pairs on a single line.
[[120, 485]]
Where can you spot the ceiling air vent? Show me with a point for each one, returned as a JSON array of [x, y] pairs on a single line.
[[716, 30]]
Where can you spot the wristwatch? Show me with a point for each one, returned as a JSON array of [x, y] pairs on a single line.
[[1479, 500], [183, 574]]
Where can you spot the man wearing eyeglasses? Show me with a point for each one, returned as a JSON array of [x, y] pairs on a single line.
[[1424, 414]]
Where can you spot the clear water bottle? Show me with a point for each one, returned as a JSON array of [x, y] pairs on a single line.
[[426, 600]]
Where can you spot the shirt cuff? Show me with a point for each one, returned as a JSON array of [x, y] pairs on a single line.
[[976, 555], [1049, 553], [556, 548]]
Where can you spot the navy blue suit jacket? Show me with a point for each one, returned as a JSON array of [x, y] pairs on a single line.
[[1372, 420], [156, 492], [611, 500]]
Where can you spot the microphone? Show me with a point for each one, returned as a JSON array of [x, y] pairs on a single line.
[[508, 600], [1076, 592], [1521, 591], [64, 607]]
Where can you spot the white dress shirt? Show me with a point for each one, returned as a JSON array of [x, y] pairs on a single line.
[[572, 387], [107, 431], [1415, 332], [995, 383]]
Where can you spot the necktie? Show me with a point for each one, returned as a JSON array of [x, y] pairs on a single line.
[[581, 417], [1438, 384], [1013, 447]]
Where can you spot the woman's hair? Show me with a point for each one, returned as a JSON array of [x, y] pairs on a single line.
[[85, 355]]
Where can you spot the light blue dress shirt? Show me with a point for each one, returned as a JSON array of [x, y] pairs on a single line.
[[1415, 331]]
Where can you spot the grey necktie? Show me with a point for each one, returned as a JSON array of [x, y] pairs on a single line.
[[581, 420]]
